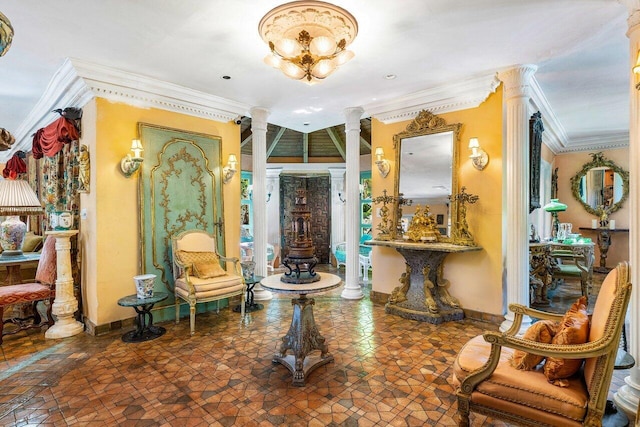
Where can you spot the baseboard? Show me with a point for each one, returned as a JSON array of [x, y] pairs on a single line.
[[381, 298]]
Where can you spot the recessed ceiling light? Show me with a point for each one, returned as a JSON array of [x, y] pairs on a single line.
[[306, 123], [226, 77], [390, 76]]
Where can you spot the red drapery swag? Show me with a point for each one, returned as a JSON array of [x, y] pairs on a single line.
[[49, 140], [14, 167]]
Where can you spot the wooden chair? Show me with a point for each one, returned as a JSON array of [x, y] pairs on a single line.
[[194, 252], [574, 263], [486, 382], [43, 288]]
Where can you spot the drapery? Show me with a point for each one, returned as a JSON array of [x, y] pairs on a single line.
[[49, 140]]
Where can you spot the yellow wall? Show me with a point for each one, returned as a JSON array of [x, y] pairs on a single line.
[[568, 165], [476, 277], [110, 234]]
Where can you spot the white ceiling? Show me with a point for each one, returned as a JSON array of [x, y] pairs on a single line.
[[579, 46]]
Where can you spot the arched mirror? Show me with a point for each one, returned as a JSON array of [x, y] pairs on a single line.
[[427, 168], [601, 186]]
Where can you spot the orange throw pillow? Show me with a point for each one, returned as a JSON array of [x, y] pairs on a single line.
[[208, 269], [574, 329], [542, 331]]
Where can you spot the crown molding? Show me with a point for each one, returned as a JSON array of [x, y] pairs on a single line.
[[76, 82], [463, 94], [597, 142], [554, 135]]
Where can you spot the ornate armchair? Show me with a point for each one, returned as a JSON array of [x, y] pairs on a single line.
[[42, 289], [487, 383], [201, 274]]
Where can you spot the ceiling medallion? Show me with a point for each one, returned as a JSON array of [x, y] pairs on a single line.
[[308, 39], [6, 34]]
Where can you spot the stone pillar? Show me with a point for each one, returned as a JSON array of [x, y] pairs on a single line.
[[517, 91], [352, 289], [273, 206], [627, 397], [65, 303], [337, 206], [259, 148]]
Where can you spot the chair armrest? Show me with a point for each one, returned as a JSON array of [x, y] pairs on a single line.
[[563, 351], [520, 311]]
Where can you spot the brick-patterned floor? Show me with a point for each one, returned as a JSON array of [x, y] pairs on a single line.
[[388, 371]]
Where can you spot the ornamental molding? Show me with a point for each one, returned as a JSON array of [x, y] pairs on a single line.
[[461, 95], [77, 82]]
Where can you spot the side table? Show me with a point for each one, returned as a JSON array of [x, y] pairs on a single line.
[[145, 330], [249, 305]]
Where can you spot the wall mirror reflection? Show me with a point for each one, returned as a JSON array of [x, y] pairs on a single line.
[[427, 173], [601, 186]]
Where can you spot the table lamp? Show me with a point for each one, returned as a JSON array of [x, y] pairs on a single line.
[[554, 206], [16, 198]]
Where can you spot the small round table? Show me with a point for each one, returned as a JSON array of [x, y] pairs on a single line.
[[145, 330], [303, 336], [249, 305]]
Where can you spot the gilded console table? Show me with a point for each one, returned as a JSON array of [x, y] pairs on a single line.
[[423, 294], [604, 241]]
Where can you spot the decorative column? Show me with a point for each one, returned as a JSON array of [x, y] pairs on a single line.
[[516, 99], [259, 154], [627, 397], [352, 289], [65, 303], [337, 206], [273, 206]]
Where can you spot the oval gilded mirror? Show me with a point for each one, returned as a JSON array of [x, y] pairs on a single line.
[[601, 186], [427, 173]]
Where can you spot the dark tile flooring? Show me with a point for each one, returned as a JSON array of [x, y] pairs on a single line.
[[388, 371]]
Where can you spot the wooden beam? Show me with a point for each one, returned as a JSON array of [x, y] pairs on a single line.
[[275, 141], [365, 138], [305, 148], [246, 137], [336, 141]]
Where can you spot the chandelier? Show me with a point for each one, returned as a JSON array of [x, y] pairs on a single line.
[[308, 39], [6, 34]]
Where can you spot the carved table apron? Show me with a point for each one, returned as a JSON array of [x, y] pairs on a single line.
[[423, 294]]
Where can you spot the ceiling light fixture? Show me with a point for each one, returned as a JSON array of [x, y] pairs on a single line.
[[6, 34], [308, 39]]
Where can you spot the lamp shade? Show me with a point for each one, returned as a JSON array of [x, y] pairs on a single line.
[[555, 206], [18, 198]]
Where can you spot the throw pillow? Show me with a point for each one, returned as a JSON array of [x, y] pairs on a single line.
[[32, 242], [574, 329], [208, 269], [189, 257], [542, 331]]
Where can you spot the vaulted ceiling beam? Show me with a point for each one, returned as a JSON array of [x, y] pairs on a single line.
[[305, 148], [336, 141], [246, 137], [365, 138], [275, 141]]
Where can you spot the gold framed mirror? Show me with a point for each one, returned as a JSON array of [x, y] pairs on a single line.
[[601, 186], [426, 155]]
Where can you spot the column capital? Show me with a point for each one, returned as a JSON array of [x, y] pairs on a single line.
[[259, 117], [352, 116], [337, 173], [274, 172], [517, 80]]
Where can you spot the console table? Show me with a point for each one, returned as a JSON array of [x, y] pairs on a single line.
[[303, 336], [604, 241], [423, 294], [13, 264]]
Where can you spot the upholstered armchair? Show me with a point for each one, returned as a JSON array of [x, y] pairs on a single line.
[[340, 253], [574, 263], [487, 383], [201, 274], [43, 288]]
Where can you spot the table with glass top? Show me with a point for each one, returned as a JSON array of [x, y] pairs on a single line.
[[303, 336]]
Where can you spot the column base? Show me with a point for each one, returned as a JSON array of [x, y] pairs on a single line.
[[352, 293], [260, 294], [508, 321], [627, 397], [64, 330]]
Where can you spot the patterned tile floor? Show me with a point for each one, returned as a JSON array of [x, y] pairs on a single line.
[[387, 371]]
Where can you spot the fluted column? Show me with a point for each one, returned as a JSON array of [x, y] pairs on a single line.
[[627, 397], [337, 207], [517, 91], [352, 289], [259, 149], [273, 205]]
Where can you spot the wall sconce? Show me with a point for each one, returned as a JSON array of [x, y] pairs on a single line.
[[129, 164], [269, 191], [230, 169], [478, 156], [382, 163], [341, 199], [636, 69]]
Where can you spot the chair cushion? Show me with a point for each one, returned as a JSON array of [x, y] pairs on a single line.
[[207, 288], [32, 242], [570, 270], [542, 331], [25, 292], [526, 388], [208, 269], [574, 329]]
